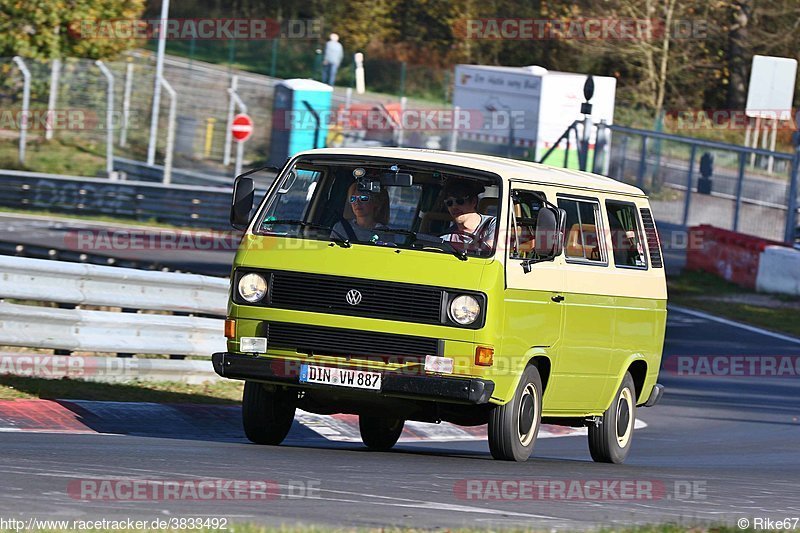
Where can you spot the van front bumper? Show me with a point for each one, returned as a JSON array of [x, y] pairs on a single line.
[[436, 388]]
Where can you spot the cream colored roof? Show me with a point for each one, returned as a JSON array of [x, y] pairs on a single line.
[[506, 168]]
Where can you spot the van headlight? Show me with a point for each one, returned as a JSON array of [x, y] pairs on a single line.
[[252, 287], [464, 309]]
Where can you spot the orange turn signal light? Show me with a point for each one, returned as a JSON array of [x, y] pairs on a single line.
[[484, 356], [230, 328]]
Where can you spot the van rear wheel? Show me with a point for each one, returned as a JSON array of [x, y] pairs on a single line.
[[267, 413], [610, 441], [379, 433], [513, 427]]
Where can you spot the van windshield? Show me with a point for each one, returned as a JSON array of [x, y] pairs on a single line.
[[376, 202]]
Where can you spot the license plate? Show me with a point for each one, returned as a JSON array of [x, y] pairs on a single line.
[[340, 377]]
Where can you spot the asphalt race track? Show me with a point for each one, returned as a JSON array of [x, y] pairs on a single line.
[[717, 449]]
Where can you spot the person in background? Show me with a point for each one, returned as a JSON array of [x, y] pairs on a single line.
[[461, 200], [331, 59]]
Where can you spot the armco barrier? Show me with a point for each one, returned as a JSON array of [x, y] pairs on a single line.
[[148, 332], [139, 171], [779, 270], [180, 205], [730, 255]]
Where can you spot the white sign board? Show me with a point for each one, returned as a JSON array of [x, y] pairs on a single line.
[[771, 89], [539, 104]]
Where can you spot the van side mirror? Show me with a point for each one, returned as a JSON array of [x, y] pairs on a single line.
[[244, 191], [549, 236]]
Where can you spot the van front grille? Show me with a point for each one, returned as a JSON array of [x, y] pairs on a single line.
[[378, 299], [319, 340]]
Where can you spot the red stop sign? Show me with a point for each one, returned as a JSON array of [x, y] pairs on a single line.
[[242, 127]]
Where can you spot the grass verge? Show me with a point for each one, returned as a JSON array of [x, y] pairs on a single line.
[[706, 292], [217, 392], [54, 157]]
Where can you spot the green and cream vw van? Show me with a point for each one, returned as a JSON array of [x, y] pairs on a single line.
[[400, 284]]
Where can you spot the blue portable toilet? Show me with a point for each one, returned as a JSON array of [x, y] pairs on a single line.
[[297, 105]]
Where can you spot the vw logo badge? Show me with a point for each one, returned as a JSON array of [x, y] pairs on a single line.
[[353, 297]]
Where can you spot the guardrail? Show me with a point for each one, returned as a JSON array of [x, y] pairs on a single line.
[[140, 171], [193, 206], [109, 331], [180, 205]]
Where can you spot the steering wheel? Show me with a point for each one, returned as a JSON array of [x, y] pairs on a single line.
[[472, 236], [473, 239]]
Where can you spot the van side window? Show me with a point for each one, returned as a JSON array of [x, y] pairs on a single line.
[[626, 235], [582, 228], [526, 205]]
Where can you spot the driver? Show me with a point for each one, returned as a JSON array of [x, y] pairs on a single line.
[[461, 200], [365, 214]]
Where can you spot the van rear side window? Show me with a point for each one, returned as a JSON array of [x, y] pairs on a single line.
[[582, 242], [626, 235]]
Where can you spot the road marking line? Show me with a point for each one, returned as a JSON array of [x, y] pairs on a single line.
[[747, 327], [420, 504]]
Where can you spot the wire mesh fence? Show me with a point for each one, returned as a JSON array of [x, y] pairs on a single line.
[[77, 117], [735, 194]]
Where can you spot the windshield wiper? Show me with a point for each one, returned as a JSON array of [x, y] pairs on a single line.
[[444, 246], [342, 241], [448, 247]]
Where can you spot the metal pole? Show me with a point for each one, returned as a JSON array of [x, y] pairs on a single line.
[[162, 43], [240, 144], [274, 59], [771, 160], [348, 98], [26, 101], [689, 180], [210, 121], [587, 133], [755, 141], [747, 132], [454, 136], [55, 72], [791, 213], [600, 148], [401, 130], [126, 104], [226, 155], [739, 186], [239, 156], [402, 78], [109, 118], [170, 132], [642, 164], [624, 157]]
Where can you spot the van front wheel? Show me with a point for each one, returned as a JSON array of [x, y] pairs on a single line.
[[610, 441], [513, 427], [379, 433], [267, 414]]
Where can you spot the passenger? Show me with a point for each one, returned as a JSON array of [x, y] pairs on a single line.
[[461, 200], [365, 213]]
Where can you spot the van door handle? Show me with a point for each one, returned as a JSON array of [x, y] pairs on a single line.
[[557, 298]]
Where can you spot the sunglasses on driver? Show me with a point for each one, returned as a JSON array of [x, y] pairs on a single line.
[[449, 202], [363, 198]]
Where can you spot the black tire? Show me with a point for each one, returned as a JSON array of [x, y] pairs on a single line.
[[513, 427], [610, 441], [380, 433], [267, 414]]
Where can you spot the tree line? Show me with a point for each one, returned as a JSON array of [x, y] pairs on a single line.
[[684, 54]]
